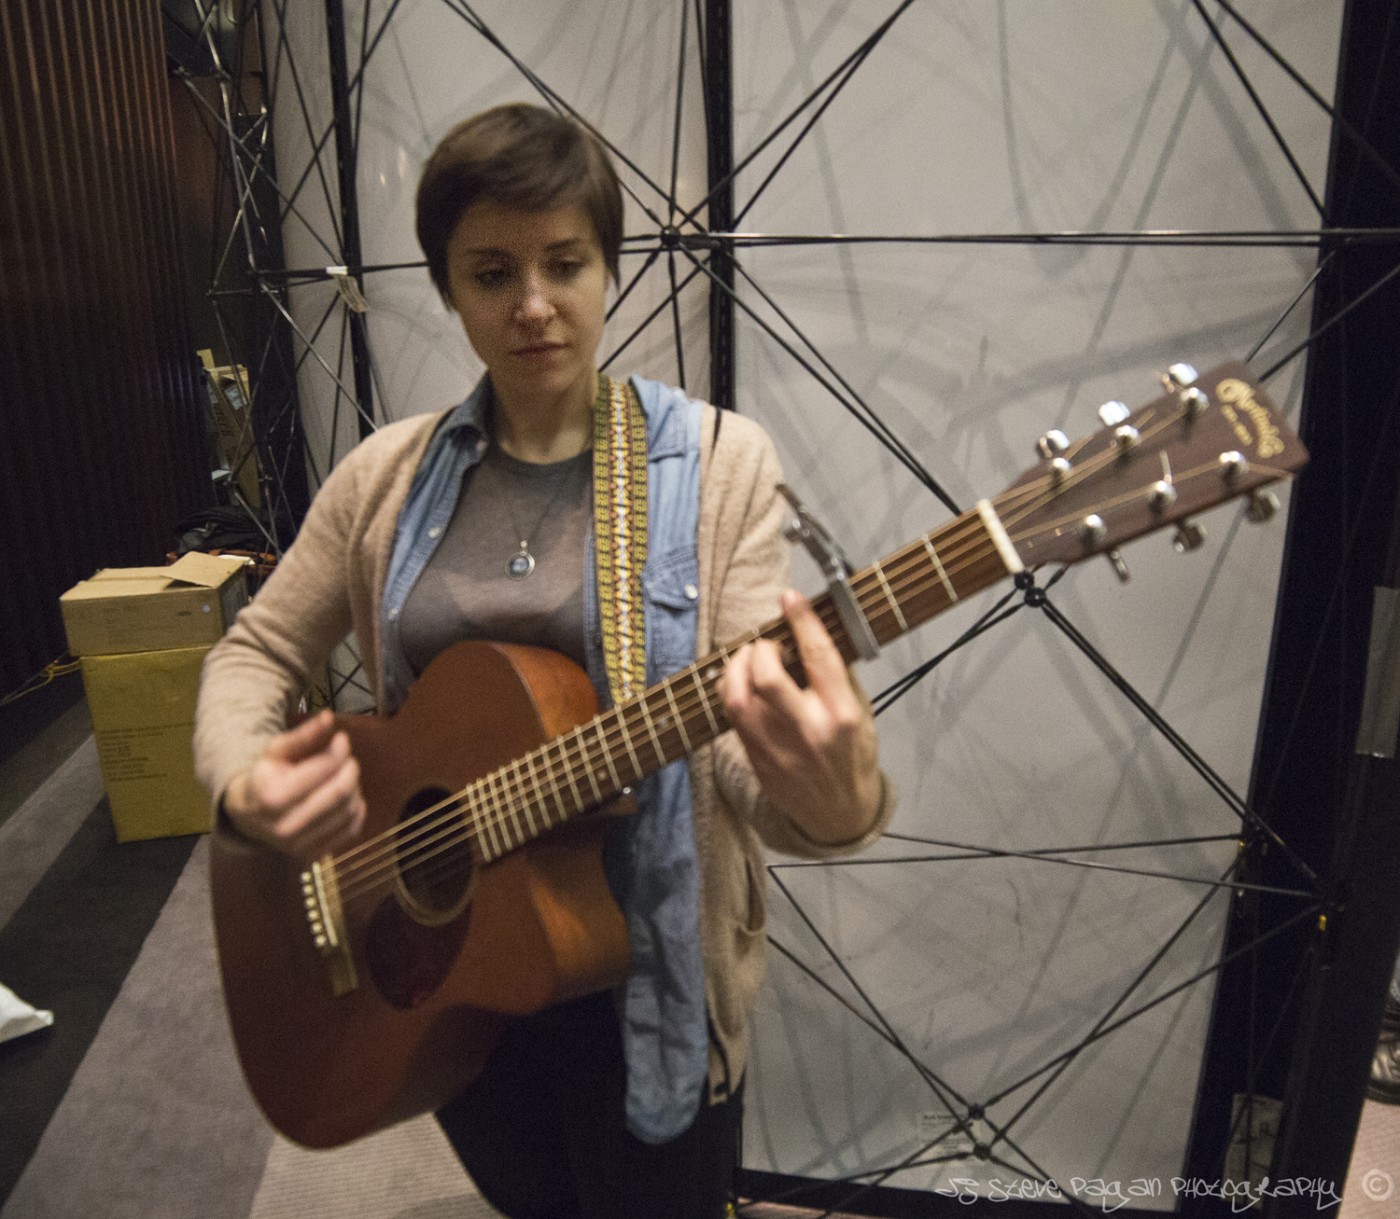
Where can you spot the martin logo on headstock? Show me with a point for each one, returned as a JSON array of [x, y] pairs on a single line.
[[1237, 398]]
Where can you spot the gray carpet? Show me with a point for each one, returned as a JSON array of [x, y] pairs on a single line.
[[156, 1122]]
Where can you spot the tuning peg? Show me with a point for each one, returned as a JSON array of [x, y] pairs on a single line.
[[1126, 437], [1189, 536], [1092, 531], [1262, 506], [1193, 401], [1052, 444], [1180, 380], [1120, 568], [1233, 465], [1113, 413], [1162, 496]]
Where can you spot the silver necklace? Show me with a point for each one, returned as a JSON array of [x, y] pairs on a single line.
[[522, 562]]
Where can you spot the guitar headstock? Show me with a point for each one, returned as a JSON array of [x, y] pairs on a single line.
[[1205, 440]]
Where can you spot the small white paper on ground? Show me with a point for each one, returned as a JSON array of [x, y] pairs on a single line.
[[18, 1018]]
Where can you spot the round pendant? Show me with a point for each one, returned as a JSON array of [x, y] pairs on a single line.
[[520, 565]]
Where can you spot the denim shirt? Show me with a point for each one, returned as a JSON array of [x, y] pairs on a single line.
[[650, 859]]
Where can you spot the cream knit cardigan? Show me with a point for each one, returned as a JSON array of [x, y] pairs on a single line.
[[331, 581]]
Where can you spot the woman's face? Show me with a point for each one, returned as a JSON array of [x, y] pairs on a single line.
[[530, 288]]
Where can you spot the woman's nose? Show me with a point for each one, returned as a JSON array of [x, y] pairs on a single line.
[[535, 304]]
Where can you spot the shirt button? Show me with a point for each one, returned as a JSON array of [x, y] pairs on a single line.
[[691, 592], [434, 531], [394, 613]]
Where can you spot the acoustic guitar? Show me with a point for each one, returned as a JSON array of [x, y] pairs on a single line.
[[373, 985]]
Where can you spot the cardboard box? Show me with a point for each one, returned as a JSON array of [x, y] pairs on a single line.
[[141, 609], [229, 400], [142, 634], [142, 706]]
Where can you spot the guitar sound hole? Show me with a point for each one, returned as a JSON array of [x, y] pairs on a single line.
[[434, 855]]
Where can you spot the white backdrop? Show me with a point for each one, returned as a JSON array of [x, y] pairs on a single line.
[[969, 118]]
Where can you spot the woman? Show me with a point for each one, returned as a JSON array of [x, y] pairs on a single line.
[[492, 520]]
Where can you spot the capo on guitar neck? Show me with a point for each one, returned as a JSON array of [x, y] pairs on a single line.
[[805, 528]]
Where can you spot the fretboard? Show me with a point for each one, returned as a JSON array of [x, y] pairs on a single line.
[[605, 756]]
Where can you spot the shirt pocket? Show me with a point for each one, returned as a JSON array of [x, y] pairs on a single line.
[[670, 582]]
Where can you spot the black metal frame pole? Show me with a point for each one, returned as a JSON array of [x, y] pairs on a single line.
[[719, 119], [1354, 382], [346, 159], [1297, 1021]]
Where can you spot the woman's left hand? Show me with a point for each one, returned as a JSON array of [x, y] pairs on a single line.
[[814, 750]]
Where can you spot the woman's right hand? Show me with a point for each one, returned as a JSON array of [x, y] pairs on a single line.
[[302, 796]]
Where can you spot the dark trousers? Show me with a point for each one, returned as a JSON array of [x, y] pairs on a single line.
[[542, 1130]]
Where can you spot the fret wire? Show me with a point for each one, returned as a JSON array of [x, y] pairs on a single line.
[[515, 802], [680, 719], [504, 803], [512, 830], [587, 765], [642, 704], [890, 597], [704, 695], [523, 795], [607, 753], [506, 799], [569, 775], [488, 821], [938, 567], [537, 800], [483, 818], [549, 787], [637, 769]]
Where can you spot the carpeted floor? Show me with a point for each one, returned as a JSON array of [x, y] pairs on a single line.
[[132, 1107]]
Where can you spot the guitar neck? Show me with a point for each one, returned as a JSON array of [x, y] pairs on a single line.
[[604, 757]]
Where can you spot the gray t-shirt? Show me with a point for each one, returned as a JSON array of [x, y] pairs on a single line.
[[466, 591]]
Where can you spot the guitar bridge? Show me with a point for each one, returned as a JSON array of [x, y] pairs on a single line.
[[320, 896]]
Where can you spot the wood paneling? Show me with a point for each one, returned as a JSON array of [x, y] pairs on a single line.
[[102, 440]]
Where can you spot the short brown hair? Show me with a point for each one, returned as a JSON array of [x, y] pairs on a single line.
[[519, 156]]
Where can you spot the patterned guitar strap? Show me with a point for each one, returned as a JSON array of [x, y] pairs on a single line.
[[654, 867], [620, 532]]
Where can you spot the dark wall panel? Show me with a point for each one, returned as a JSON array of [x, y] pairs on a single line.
[[101, 426]]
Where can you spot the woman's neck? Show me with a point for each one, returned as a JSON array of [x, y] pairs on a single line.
[[549, 429]]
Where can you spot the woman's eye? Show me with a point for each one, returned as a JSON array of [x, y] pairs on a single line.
[[491, 277], [567, 268]]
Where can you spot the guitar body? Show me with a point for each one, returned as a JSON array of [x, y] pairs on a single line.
[[443, 955]]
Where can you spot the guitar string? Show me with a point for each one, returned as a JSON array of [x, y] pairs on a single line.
[[616, 725], [618, 718], [695, 698], [704, 703], [443, 834], [619, 724], [689, 715], [451, 834]]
